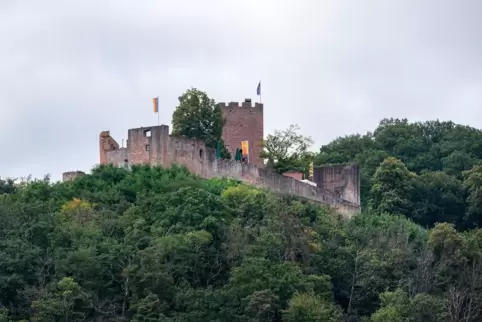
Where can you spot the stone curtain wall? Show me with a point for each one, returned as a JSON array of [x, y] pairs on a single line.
[[154, 146], [343, 180], [279, 184], [294, 174]]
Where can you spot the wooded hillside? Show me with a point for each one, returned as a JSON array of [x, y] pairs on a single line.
[[153, 244]]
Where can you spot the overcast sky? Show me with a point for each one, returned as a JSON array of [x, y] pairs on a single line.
[[70, 69]]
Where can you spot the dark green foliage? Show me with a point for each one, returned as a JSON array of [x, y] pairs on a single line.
[[7, 186], [416, 169], [197, 116], [154, 244]]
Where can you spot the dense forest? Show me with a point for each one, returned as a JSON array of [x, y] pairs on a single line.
[[430, 172], [154, 244]]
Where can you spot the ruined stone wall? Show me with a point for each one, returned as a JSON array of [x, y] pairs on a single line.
[[244, 122], [343, 180], [188, 152], [117, 157], [139, 145], [154, 146], [106, 144], [71, 175], [294, 174], [280, 184]]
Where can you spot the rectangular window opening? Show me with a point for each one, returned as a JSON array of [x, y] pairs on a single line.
[[147, 133], [148, 147]]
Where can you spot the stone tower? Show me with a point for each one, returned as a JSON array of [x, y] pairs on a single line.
[[71, 175], [244, 122]]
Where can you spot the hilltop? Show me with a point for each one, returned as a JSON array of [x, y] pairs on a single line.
[[161, 244]]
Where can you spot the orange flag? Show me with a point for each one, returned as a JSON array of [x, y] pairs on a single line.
[[155, 102]]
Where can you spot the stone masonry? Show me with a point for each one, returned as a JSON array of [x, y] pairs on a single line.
[[71, 175], [337, 186], [154, 146], [244, 122], [342, 179]]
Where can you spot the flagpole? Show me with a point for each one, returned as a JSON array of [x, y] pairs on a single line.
[[158, 123], [259, 90]]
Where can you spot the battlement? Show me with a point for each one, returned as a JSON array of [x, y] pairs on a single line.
[[237, 105]]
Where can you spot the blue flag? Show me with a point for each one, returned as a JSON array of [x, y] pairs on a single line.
[[258, 90]]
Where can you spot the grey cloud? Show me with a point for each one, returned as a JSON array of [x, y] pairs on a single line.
[[71, 69]]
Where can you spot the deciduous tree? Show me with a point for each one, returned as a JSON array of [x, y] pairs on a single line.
[[288, 150], [392, 188], [197, 116]]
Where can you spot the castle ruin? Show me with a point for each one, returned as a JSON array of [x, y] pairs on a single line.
[[337, 186]]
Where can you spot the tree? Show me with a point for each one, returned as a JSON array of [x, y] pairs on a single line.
[[444, 149], [392, 187], [458, 270], [438, 197], [65, 302], [345, 149], [7, 186], [457, 162], [473, 185], [150, 310], [157, 244], [288, 150], [3, 315], [400, 138], [375, 245], [398, 307], [197, 116], [311, 308], [395, 307]]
